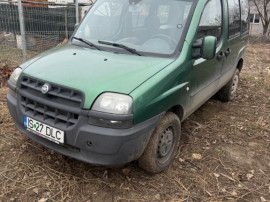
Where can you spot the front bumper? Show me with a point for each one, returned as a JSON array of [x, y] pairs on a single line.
[[108, 147]]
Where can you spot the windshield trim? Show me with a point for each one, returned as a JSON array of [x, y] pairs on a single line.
[[177, 50]]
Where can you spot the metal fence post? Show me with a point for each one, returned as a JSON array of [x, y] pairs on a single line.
[[66, 23], [77, 11], [22, 29]]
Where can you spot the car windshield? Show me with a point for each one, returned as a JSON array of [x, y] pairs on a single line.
[[147, 26]]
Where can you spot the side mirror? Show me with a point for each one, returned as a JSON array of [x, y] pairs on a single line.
[[207, 48]]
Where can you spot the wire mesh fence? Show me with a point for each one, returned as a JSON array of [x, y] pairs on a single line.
[[46, 24]]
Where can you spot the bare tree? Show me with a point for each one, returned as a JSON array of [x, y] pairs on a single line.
[[263, 8]]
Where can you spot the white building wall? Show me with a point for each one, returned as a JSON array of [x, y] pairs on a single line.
[[256, 29]]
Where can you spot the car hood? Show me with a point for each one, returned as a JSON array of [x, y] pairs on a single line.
[[93, 72]]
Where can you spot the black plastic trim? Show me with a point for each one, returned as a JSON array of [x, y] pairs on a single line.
[[108, 116], [11, 86], [56, 84], [52, 104], [93, 144]]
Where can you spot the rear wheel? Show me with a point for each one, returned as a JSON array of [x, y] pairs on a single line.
[[228, 92], [162, 145]]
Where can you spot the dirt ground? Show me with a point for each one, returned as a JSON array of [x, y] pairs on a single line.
[[224, 155]]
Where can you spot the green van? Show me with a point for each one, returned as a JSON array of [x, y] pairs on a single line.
[[130, 74]]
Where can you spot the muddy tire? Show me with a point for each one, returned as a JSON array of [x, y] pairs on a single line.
[[228, 92], [162, 145]]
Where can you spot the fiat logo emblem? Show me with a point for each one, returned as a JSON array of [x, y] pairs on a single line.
[[45, 88]]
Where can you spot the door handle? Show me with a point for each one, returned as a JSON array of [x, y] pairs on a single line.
[[220, 56], [227, 52]]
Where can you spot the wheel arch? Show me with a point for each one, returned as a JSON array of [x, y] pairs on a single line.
[[240, 64], [178, 110]]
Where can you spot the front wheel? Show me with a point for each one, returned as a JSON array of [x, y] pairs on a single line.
[[162, 145], [228, 92]]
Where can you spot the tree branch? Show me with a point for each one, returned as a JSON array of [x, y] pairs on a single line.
[[259, 11]]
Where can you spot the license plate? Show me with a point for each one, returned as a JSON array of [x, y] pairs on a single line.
[[43, 130]]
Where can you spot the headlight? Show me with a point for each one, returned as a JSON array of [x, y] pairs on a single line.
[[15, 75], [112, 110], [113, 103]]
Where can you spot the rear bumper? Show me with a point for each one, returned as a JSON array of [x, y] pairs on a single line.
[[108, 147]]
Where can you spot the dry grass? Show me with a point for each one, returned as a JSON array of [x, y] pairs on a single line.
[[13, 56], [224, 155]]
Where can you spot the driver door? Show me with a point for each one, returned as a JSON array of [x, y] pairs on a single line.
[[206, 73]]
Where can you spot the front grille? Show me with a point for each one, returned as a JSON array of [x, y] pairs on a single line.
[[50, 115], [57, 93], [59, 108]]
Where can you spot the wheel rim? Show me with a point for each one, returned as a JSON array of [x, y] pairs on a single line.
[[234, 85], [165, 144]]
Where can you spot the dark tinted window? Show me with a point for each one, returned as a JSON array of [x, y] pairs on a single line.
[[211, 20], [234, 17], [254, 18], [244, 15], [251, 16], [257, 18]]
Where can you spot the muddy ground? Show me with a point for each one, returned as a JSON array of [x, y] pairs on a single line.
[[224, 155]]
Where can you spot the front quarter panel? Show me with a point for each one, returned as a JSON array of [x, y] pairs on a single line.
[[165, 89]]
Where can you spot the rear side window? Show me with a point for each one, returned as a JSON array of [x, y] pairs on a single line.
[[211, 20], [244, 16], [234, 18]]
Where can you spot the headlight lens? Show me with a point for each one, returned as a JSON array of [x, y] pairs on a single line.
[[113, 103], [15, 75]]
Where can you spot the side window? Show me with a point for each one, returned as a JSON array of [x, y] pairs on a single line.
[[244, 16], [234, 18], [211, 21]]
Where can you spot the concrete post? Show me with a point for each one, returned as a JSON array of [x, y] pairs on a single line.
[[77, 11], [22, 29]]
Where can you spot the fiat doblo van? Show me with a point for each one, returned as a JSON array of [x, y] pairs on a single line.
[[130, 74]]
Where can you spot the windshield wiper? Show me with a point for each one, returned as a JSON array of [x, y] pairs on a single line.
[[87, 42], [131, 50]]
